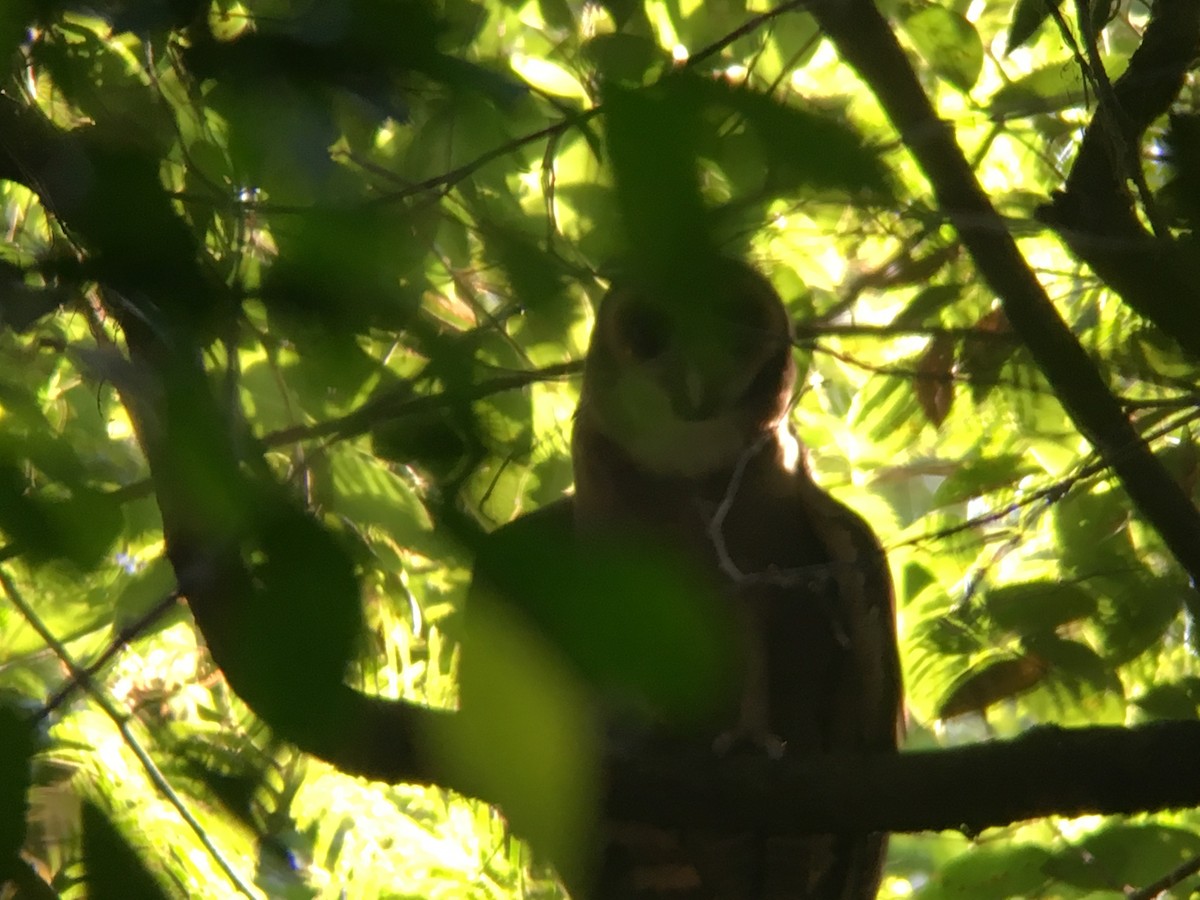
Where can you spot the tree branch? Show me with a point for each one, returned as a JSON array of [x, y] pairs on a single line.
[[865, 41], [1095, 215], [1046, 771]]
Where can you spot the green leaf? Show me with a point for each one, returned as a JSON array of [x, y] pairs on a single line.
[[369, 494], [115, 870], [1124, 853], [557, 14], [976, 477], [1167, 701], [991, 873], [888, 408], [948, 635], [928, 303], [1027, 18], [657, 136], [797, 37], [803, 149], [549, 77], [622, 10], [1029, 15], [1136, 609], [628, 59], [1093, 532], [104, 84], [525, 734], [949, 43], [1074, 666], [538, 280], [338, 270], [142, 592], [635, 622], [652, 144], [17, 738], [1048, 89], [1037, 607], [15, 17], [437, 440], [80, 527]]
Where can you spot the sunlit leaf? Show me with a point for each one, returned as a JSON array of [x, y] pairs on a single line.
[[1027, 18], [927, 304], [625, 58], [949, 43], [370, 494], [548, 76], [1036, 607], [1129, 853], [991, 873], [526, 735], [976, 477], [1048, 89], [1135, 612]]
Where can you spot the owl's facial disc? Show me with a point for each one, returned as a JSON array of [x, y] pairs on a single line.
[[683, 389]]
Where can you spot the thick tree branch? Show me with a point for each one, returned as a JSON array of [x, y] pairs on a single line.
[[1046, 771], [1095, 214], [866, 42]]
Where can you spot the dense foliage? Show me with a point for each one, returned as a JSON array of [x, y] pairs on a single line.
[[293, 294]]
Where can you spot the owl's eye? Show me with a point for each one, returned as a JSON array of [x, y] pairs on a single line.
[[643, 331], [744, 312]]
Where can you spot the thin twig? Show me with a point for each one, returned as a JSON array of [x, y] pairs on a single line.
[[121, 721], [122, 639], [1176, 876], [399, 401]]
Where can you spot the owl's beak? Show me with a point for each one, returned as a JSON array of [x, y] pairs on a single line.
[[695, 399]]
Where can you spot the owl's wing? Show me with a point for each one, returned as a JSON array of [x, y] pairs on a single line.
[[865, 606], [865, 711]]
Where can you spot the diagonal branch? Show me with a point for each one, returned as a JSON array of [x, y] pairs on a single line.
[[1094, 214], [865, 41]]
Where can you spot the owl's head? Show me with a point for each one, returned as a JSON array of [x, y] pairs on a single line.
[[684, 377]]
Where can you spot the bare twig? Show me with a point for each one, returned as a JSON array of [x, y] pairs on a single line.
[[120, 720]]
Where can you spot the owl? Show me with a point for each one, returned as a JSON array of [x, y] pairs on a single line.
[[681, 439]]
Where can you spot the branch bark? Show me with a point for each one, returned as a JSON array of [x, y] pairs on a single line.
[[865, 41], [1046, 771]]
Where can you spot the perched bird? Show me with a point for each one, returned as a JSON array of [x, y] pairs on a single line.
[[681, 438]]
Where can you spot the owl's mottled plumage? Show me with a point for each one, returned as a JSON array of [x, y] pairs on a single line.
[[681, 438]]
